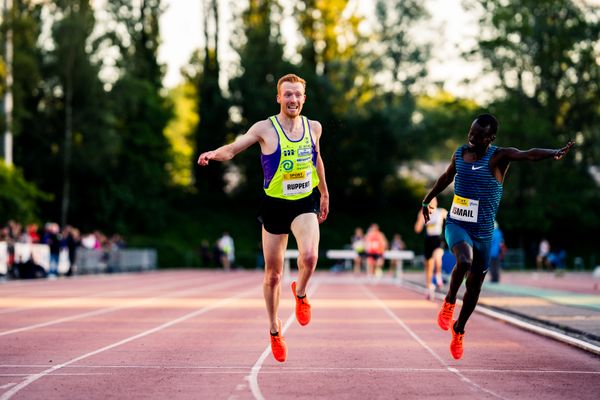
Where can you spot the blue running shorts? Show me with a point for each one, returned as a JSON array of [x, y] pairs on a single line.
[[481, 249]]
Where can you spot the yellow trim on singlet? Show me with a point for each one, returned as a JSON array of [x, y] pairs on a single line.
[[296, 175]]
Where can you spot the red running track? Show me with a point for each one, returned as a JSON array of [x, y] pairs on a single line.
[[204, 335]]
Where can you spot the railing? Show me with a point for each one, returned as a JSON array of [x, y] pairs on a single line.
[[87, 261]]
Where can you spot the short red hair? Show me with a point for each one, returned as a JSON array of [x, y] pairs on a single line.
[[293, 78]]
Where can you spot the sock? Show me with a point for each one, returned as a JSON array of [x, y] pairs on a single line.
[[274, 334], [300, 297], [456, 330]]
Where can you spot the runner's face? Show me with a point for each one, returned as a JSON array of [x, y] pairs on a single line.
[[291, 98], [479, 138]]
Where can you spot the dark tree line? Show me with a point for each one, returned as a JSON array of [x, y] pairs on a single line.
[[91, 110]]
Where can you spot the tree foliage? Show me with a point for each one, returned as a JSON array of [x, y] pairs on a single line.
[[94, 127], [19, 199], [140, 180], [545, 53], [213, 107]]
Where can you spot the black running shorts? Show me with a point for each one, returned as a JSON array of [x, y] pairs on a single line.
[[432, 243], [276, 215]]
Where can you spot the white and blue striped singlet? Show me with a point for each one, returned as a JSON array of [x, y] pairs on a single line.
[[477, 195]]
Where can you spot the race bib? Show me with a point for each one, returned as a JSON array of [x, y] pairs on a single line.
[[297, 183], [464, 209]]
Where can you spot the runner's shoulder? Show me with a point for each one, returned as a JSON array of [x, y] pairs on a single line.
[[315, 126], [261, 127]]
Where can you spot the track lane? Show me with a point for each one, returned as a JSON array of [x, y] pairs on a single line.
[[353, 348]]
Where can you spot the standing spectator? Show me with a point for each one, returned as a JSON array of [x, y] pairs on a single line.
[[397, 244], [376, 245], [227, 250], [542, 257], [117, 242], [205, 255], [89, 241], [72, 240], [497, 251], [14, 229], [52, 239], [358, 245], [32, 232]]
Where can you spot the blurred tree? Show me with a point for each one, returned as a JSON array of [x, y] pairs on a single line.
[[25, 20], [441, 122], [401, 63], [545, 54], [180, 132], [19, 199], [212, 106], [335, 64], [332, 59], [141, 113], [363, 90], [60, 146]]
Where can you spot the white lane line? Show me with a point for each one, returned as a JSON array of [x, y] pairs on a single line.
[[539, 330], [7, 385], [218, 285], [35, 377], [315, 371], [253, 377], [426, 347], [228, 369], [482, 309]]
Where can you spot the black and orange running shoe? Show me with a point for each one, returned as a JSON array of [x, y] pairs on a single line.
[[456, 345], [445, 315], [278, 346], [302, 307]]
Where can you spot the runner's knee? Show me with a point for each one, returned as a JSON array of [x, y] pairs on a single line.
[[309, 258], [273, 278], [465, 260]]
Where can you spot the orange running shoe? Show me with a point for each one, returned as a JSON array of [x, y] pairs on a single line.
[[278, 346], [445, 315], [302, 307], [456, 345]]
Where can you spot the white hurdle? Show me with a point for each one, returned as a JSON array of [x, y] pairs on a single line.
[[348, 256]]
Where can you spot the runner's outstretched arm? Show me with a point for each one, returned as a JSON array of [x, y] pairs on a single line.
[[513, 154], [228, 151]]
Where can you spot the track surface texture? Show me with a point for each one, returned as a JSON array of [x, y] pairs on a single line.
[[191, 334]]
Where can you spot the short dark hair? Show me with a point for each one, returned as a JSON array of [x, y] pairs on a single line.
[[487, 122]]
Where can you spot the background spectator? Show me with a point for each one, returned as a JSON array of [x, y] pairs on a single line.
[[227, 250], [497, 251]]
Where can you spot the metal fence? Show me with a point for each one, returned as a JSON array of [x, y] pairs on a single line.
[[86, 262], [120, 260]]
